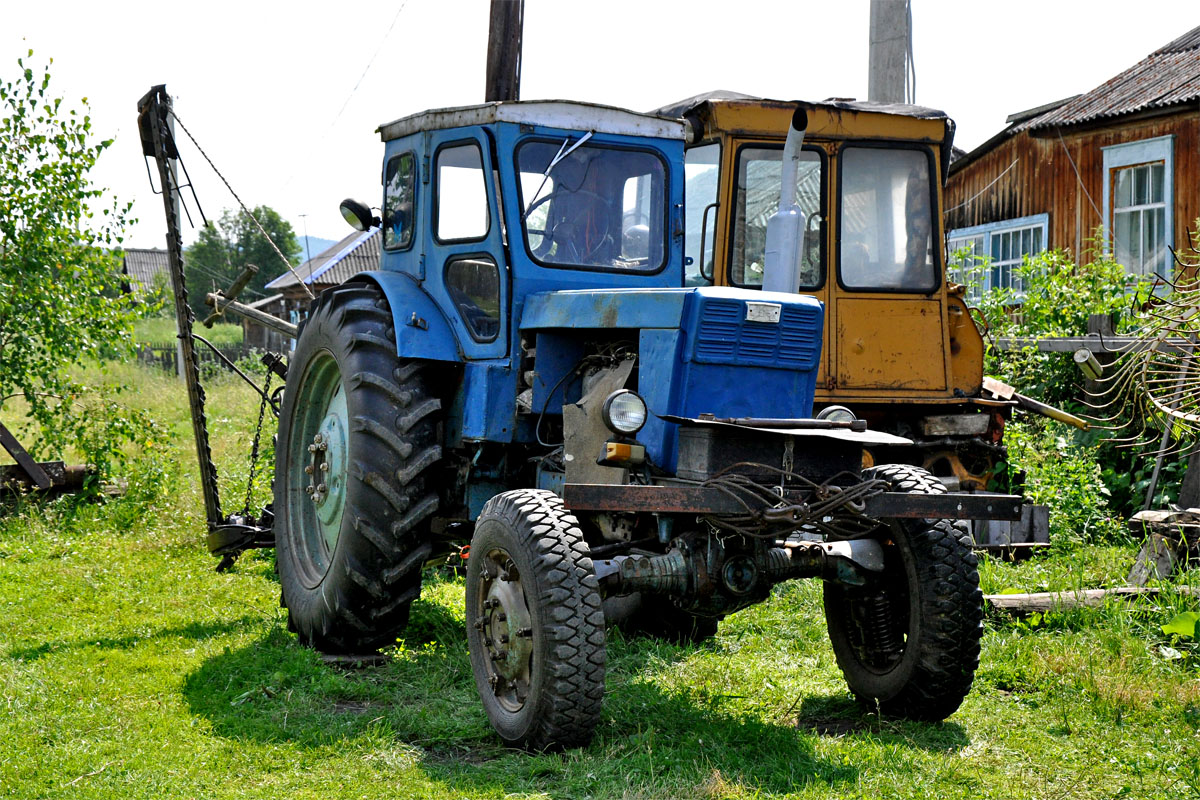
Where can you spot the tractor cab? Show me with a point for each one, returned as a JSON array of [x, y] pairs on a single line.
[[900, 346]]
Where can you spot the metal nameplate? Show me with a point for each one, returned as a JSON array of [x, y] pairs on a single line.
[[763, 312]]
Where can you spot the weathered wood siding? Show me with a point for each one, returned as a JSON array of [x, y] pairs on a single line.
[[1042, 180]]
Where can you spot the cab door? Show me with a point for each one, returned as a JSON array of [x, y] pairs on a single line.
[[465, 261], [888, 299]]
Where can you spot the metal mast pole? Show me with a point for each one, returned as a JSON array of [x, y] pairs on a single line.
[[154, 124], [889, 51]]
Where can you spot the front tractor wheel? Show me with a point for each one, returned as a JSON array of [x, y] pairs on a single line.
[[908, 644], [357, 437], [535, 622]]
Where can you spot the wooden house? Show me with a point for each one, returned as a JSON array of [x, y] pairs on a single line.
[[145, 269], [1122, 159], [358, 252]]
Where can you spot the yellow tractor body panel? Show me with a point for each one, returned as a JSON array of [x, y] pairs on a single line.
[[881, 348]]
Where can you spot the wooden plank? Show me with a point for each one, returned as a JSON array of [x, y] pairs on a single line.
[[1055, 601]]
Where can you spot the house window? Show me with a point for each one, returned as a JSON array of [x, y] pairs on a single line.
[[993, 253], [1139, 204], [1139, 219]]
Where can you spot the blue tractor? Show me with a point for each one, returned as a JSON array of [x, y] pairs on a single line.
[[528, 369]]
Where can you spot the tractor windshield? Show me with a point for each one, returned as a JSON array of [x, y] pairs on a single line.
[[759, 172], [599, 207]]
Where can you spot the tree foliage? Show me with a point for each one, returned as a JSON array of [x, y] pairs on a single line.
[[60, 299], [223, 250]]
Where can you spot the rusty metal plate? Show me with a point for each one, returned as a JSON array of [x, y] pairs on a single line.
[[952, 505]]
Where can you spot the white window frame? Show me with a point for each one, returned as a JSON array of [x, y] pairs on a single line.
[[1132, 154], [986, 232]]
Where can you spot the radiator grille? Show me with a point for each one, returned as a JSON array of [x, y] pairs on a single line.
[[725, 337]]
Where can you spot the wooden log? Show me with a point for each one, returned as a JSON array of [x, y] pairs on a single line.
[[1056, 601]]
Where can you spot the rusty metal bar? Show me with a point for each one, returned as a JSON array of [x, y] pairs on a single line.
[[707, 500], [25, 461]]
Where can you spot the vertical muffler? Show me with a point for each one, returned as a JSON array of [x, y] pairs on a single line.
[[785, 228]]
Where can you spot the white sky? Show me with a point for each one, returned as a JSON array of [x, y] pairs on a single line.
[[261, 84]]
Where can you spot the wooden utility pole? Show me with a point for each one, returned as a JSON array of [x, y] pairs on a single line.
[[504, 51]]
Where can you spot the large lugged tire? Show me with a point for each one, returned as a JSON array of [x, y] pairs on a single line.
[[910, 645], [535, 622], [357, 436]]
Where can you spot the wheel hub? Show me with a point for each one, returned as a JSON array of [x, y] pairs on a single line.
[[327, 474], [504, 621]]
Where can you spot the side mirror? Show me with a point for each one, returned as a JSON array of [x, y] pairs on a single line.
[[358, 215]]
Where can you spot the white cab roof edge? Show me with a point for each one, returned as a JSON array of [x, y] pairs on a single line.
[[565, 114]]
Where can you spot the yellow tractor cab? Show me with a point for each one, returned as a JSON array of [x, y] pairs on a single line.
[[901, 349]]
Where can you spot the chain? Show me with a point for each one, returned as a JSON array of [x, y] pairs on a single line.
[[262, 413]]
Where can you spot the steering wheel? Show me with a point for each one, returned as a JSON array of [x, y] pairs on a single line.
[[566, 232]]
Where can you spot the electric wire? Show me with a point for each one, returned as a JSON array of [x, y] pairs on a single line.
[[245, 210]]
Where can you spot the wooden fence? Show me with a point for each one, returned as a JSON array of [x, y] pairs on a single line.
[[165, 355]]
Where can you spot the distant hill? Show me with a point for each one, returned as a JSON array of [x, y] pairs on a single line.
[[316, 246]]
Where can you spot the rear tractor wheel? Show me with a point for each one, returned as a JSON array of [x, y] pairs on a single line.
[[908, 644], [357, 439]]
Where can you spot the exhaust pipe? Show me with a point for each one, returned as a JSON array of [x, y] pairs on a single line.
[[785, 228]]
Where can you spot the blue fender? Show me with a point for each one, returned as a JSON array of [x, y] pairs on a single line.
[[421, 328]]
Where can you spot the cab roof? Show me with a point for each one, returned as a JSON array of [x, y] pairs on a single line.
[[723, 113], [564, 114], [723, 97]]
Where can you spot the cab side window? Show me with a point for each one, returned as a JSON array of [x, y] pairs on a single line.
[[473, 283], [462, 204], [887, 220], [398, 202]]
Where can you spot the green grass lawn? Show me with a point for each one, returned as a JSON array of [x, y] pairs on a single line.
[[130, 669], [157, 330]]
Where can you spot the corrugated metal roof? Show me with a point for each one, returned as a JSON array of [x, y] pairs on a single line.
[[144, 264], [358, 252], [1168, 76]]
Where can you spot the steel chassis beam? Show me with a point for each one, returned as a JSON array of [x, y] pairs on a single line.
[[708, 500]]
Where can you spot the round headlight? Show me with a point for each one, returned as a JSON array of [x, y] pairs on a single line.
[[837, 414], [624, 412]]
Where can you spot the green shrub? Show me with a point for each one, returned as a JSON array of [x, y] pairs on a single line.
[[1064, 475]]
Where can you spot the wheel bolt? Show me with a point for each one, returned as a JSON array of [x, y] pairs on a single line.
[[525, 632], [503, 654], [308, 470], [324, 466], [322, 488], [322, 447], [309, 489], [493, 680], [487, 641], [312, 448], [504, 638], [318, 439], [502, 617], [491, 602]]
